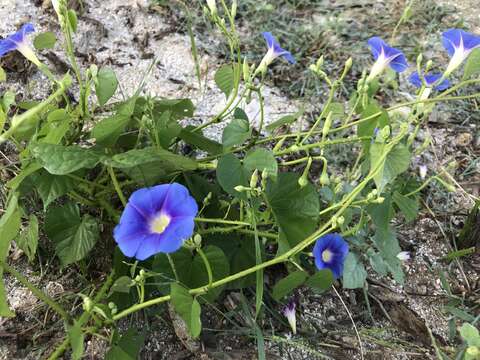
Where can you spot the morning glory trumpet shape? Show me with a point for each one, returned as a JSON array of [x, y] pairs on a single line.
[[156, 220], [274, 51], [459, 44], [18, 41], [385, 56], [430, 81], [330, 252]]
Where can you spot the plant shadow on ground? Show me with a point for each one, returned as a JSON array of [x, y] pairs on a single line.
[[336, 30]]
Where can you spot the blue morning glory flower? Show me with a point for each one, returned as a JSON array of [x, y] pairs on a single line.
[[459, 44], [430, 80], [384, 56], [330, 252], [274, 51], [17, 41], [156, 220]]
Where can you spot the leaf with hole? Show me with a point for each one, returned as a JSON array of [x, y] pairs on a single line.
[[187, 307]]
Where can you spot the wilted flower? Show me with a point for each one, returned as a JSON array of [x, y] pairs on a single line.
[[459, 44], [156, 219], [422, 169], [290, 314], [385, 56], [18, 41], [430, 81], [403, 256], [274, 51], [330, 252]]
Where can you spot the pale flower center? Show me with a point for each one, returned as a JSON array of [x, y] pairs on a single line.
[[327, 255], [159, 223]]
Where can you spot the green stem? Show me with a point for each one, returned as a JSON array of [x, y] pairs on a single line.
[[221, 221], [207, 266], [20, 119], [174, 269], [116, 185], [37, 292]]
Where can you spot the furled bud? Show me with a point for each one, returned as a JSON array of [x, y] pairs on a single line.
[[212, 5]]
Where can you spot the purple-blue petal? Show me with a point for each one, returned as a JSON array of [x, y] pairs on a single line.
[[134, 235], [11, 42], [399, 62], [337, 246], [287, 55], [178, 202], [454, 38], [270, 39], [430, 79], [395, 57], [376, 46]]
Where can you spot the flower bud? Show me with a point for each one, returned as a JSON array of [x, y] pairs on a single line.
[[234, 8], [241, 188], [87, 304], [319, 63], [197, 240], [254, 179], [111, 305], [212, 5], [340, 220], [142, 273], [313, 68], [327, 125], [246, 70], [324, 180], [380, 200]]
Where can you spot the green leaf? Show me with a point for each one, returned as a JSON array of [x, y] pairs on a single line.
[[192, 271], [261, 159], [224, 78], [123, 285], [321, 281], [169, 161], [57, 126], [378, 264], [387, 243], [51, 187], [72, 19], [73, 235], [295, 208], [289, 283], [408, 206], [9, 227], [395, 163], [3, 78], [105, 85], [62, 160], [28, 239], [472, 66], [197, 139], [45, 40], [187, 307], [354, 273], [179, 108], [367, 128], [470, 334], [236, 133], [231, 173], [285, 120], [107, 131], [167, 129], [76, 337], [127, 347]]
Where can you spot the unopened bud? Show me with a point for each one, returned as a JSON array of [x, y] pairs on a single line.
[[212, 5], [197, 240], [319, 63], [324, 180], [241, 188], [380, 200], [428, 66], [234, 8], [87, 304], [419, 60], [340, 220], [246, 71], [327, 125], [254, 179]]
